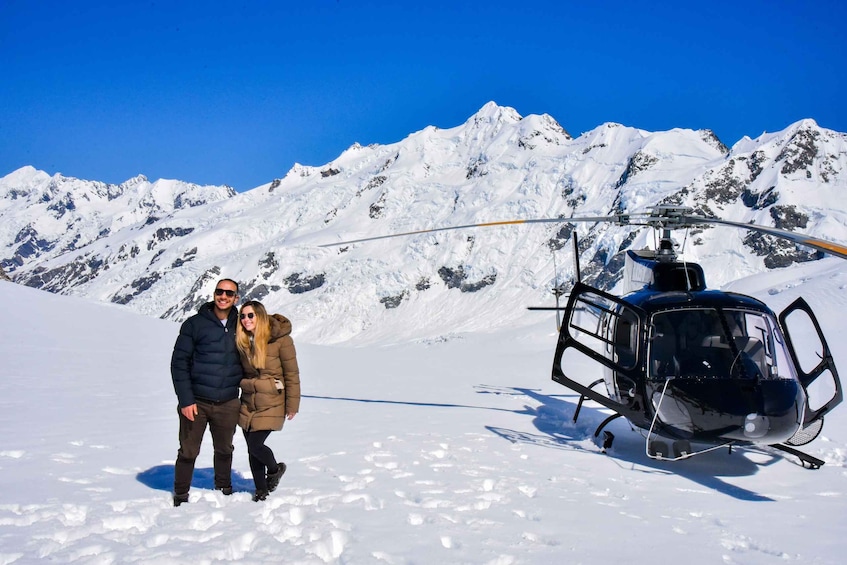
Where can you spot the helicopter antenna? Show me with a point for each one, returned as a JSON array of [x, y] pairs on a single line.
[[576, 256], [557, 291], [685, 262]]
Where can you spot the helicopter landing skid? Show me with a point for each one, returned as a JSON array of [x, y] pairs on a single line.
[[806, 460], [582, 398], [608, 437]]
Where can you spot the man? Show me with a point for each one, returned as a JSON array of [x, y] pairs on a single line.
[[206, 372]]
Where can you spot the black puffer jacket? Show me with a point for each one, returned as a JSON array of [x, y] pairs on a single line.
[[205, 363]]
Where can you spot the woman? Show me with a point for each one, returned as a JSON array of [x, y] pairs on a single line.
[[270, 389]]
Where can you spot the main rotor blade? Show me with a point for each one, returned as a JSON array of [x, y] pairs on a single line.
[[669, 217], [820, 244], [615, 219]]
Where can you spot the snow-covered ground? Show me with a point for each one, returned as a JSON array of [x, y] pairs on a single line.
[[458, 450]]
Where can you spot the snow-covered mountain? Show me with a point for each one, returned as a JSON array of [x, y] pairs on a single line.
[[159, 247]]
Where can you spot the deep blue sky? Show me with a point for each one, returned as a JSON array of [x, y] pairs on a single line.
[[236, 92]]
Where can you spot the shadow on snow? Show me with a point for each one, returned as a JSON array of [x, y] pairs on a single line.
[[161, 477], [553, 422], [553, 418]]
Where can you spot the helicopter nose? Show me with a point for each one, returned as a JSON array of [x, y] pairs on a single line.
[[756, 426]]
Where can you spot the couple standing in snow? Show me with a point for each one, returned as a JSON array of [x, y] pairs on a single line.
[[215, 355]]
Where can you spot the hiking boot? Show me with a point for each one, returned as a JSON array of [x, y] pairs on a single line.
[[260, 495], [225, 490], [273, 478], [180, 498]]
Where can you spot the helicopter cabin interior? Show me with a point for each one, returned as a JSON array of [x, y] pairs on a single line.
[[708, 343]]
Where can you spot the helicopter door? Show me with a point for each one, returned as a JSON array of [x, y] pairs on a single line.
[[606, 330], [813, 360]]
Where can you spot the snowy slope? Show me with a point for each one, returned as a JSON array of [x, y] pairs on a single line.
[[436, 451], [163, 261]]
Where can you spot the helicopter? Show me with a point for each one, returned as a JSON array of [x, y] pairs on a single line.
[[684, 364]]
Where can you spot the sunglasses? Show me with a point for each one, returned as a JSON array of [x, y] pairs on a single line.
[[220, 291], [248, 315]]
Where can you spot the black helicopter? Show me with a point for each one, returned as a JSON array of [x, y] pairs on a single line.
[[686, 364]]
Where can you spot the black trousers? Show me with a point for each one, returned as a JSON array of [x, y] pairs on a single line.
[[221, 420], [261, 457]]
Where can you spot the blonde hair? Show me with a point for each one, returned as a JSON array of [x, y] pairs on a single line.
[[261, 334]]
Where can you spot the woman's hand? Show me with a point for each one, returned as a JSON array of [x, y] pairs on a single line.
[[290, 415]]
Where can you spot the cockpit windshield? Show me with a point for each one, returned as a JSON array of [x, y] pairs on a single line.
[[717, 343]]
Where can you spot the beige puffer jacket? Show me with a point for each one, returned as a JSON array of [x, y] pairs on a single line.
[[263, 406]]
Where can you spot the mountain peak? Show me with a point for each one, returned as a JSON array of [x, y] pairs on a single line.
[[137, 179], [806, 123], [26, 175], [491, 112]]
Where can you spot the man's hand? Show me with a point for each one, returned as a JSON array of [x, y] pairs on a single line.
[[291, 415], [189, 412]]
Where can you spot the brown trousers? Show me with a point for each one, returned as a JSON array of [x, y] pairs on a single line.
[[221, 420]]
